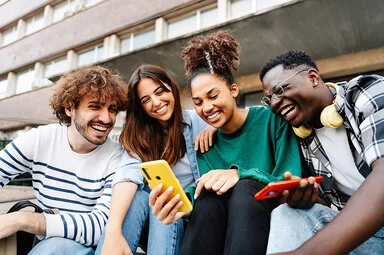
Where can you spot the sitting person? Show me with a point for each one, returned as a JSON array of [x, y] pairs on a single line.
[[72, 166], [341, 132], [251, 148], [156, 128]]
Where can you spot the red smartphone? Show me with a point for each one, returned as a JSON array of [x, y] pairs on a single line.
[[273, 189]]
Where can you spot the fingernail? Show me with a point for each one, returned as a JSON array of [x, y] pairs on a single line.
[[195, 196]]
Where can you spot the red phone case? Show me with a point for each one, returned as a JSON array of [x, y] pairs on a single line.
[[273, 189]]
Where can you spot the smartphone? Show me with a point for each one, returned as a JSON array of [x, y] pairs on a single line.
[[159, 171], [273, 189]]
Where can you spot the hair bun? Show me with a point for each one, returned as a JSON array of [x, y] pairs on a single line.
[[222, 48]]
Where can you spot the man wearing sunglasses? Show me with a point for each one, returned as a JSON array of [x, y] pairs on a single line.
[[341, 132]]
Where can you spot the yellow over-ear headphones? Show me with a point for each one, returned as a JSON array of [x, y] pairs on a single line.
[[329, 117]]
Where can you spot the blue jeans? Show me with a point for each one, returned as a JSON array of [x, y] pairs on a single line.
[[60, 245], [290, 228], [162, 239]]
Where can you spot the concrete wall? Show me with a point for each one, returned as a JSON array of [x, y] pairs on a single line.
[[13, 10], [80, 29]]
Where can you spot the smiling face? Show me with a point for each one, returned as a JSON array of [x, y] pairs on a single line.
[[91, 121], [157, 101], [300, 102], [214, 101]]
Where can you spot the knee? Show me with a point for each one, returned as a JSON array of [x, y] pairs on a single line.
[[207, 204], [283, 212], [56, 245]]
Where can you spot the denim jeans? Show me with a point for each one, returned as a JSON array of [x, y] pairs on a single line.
[[290, 228], [162, 239], [60, 245]]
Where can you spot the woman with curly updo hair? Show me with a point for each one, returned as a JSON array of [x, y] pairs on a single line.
[[251, 148]]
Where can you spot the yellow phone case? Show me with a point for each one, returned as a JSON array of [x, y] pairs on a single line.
[[158, 171]]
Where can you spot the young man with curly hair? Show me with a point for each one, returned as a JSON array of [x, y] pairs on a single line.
[[72, 164], [341, 132]]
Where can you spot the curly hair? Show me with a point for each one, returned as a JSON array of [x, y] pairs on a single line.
[[97, 80], [216, 53], [289, 59], [142, 135]]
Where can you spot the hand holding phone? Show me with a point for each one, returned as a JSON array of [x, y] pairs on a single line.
[[273, 189], [158, 171]]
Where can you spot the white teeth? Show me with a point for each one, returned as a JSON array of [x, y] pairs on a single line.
[[287, 109], [213, 115], [100, 128], [162, 109]]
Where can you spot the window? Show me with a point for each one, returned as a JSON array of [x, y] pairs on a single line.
[[182, 26], [57, 66], [64, 9], [90, 56], [194, 21], [34, 24], [9, 36], [143, 39], [89, 3], [137, 40], [241, 8], [261, 4], [125, 44], [208, 17], [25, 80], [253, 98], [3, 87]]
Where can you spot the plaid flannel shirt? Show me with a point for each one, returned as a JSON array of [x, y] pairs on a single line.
[[361, 104]]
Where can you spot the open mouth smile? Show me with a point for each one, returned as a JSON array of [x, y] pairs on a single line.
[[287, 110]]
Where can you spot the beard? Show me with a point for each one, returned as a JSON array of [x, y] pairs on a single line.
[[83, 128]]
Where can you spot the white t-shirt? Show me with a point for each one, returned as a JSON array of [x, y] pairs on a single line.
[[335, 143]]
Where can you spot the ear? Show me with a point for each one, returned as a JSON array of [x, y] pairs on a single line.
[[234, 90], [69, 111], [314, 76]]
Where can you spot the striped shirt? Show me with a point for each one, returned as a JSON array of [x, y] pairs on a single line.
[[79, 185], [361, 104]]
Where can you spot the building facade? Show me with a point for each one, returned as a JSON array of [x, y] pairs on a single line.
[[42, 39]]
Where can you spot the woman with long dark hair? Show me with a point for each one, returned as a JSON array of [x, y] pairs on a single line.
[[156, 128]]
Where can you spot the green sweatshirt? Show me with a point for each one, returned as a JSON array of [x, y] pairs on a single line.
[[262, 149]]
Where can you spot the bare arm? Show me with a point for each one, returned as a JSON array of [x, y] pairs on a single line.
[[365, 209], [26, 221], [122, 196]]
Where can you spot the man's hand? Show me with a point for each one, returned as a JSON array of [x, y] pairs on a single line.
[[27, 221], [166, 212], [303, 196], [115, 243], [204, 139], [219, 181]]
